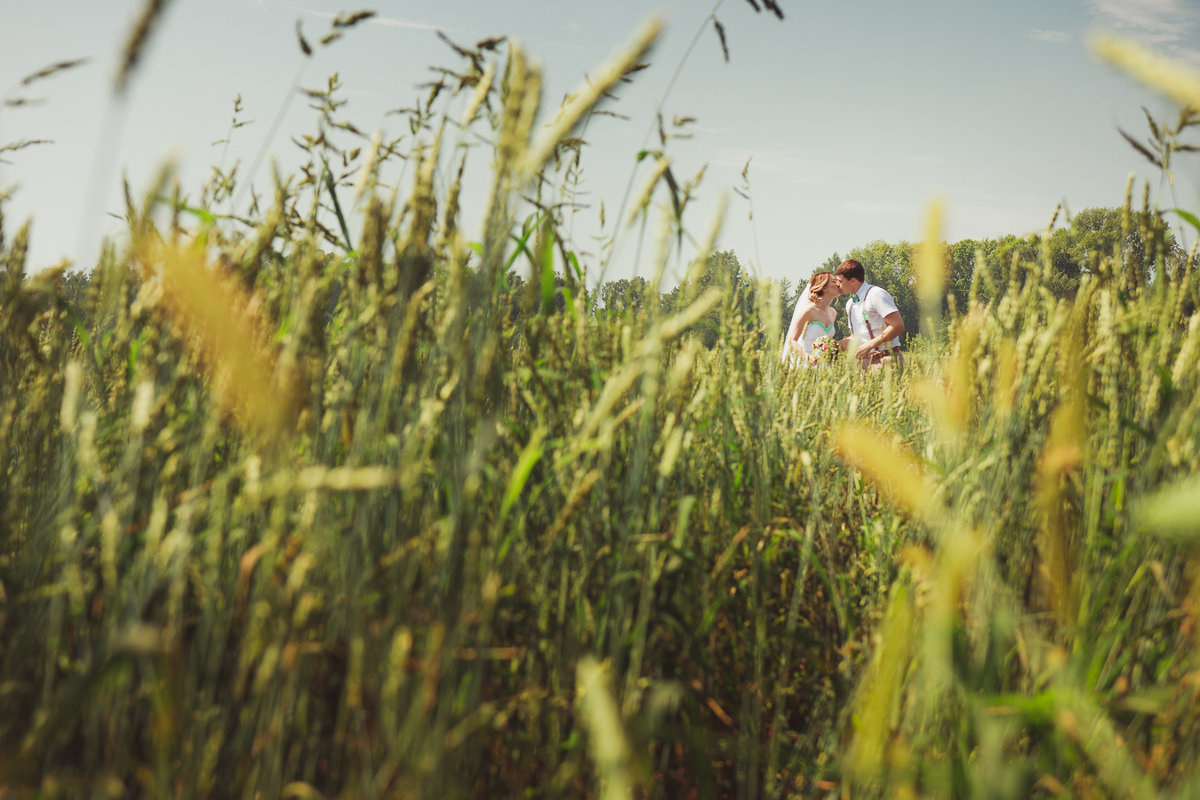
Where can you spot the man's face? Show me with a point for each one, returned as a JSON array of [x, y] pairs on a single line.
[[847, 285]]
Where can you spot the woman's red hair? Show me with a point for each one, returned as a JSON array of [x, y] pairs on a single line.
[[818, 285]]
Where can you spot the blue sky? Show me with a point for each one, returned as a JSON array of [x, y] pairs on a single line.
[[853, 115]]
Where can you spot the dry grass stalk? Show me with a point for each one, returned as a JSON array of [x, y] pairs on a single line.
[[660, 167], [480, 94], [139, 37], [368, 166], [587, 95]]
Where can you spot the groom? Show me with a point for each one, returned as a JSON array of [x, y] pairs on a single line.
[[875, 322]]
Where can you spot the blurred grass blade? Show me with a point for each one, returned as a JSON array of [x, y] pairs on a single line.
[[1173, 512], [1171, 77], [520, 475], [215, 310], [930, 270], [895, 471], [606, 735], [876, 709]]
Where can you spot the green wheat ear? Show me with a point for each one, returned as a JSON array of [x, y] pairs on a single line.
[[586, 95]]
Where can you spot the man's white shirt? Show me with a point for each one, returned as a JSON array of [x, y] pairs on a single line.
[[875, 302]]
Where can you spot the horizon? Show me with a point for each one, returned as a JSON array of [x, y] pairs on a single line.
[[999, 113]]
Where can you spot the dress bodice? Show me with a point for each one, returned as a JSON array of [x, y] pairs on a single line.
[[813, 331]]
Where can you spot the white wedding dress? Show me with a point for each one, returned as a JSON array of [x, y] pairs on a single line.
[[813, 331]]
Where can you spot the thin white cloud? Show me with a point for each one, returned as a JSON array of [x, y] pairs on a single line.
[[699, 129], [1052, 37], [1154, 17], [390, 22], [1168, 24], [798, 169], [874, 208]]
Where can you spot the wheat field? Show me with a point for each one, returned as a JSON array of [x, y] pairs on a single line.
[[295, 510]]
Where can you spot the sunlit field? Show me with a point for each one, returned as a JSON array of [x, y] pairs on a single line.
[[318, 504]]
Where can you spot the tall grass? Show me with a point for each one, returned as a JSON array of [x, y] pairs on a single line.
[[1049, 630], [389, 527]]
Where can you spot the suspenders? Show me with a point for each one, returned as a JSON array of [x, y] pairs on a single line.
[[884, 348], [866, 319]]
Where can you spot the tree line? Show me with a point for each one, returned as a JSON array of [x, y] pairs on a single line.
[[1144, 239], [985, 266]]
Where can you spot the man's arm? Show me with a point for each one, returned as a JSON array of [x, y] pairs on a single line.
[[893, 326]]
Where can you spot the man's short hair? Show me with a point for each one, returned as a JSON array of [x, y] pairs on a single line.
[[851, 269]]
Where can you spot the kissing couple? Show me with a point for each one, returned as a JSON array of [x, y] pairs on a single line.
[[875, 321]]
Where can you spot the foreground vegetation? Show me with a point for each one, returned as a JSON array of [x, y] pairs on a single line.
[[278, 523]]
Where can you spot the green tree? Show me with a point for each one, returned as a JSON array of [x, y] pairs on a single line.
[[961, 258], [788, 295], [1148, 242], [890, 266], [625, 295], [1065, 266], [723, 271]]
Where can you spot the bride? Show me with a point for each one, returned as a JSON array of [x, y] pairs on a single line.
[[813, 318]]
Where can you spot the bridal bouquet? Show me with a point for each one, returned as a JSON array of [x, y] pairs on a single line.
[[824, 351]]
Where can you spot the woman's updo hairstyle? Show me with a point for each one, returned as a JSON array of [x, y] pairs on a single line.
[[818, 285]]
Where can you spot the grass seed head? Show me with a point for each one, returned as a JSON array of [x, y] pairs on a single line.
[[585, 97], [1171, 77], [139, 37]]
